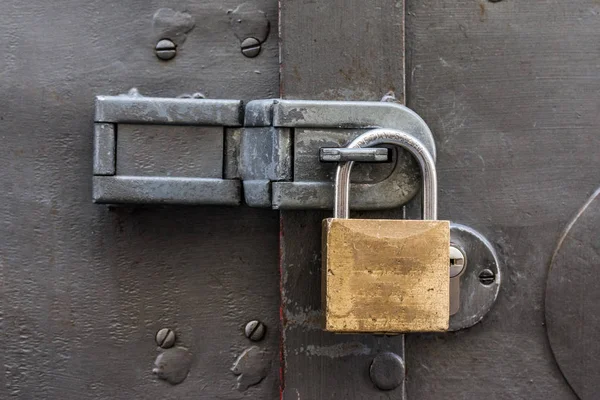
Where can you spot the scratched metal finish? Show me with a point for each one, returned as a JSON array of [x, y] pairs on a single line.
[[573, 301], [510, 90], [332, 50], [84, 287]]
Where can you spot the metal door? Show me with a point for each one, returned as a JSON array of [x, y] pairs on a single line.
[[510, 90]]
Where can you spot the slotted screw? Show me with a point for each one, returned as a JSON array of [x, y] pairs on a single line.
[[251, 47], [165, 49], [487, 277], [255, 330], [165, 338]]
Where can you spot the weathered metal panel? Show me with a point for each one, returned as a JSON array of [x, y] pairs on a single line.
[[85, 287], [195, 152], [332, 50], [340, 50], [510, 90], [573, 301]]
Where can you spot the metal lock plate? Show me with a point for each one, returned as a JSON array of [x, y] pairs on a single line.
[[385, 275]]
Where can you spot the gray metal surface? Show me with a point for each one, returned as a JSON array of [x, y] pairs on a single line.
[[251, 47], [194, 151], [280, 166], [343, 154], [510, 90], [475, 298], [127, 109], [85, 288], [387, 371], [381, 186], [190, 172], [165, 338], [308, 166], [573, 300], [333, 50], [318, 124], [166, 190], [365, 196], [165, 49], [352, 114], [265, 154], [104, 149]]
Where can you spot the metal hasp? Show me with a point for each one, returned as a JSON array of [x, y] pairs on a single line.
[[166, 150], [304, 127], [194, 151]]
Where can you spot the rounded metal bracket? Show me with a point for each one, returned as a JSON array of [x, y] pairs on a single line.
[[349, 119], [479, 281]]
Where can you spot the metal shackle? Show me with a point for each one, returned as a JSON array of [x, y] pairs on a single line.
[[388, 136]]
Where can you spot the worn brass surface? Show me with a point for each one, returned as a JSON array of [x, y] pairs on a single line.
[[385, 276]]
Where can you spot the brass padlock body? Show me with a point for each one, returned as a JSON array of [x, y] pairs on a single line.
[[385, 276]]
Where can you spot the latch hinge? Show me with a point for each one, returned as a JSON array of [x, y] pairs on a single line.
[[268, 153]]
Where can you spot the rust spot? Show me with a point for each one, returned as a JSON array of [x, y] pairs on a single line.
[[296, 73], [482, 16]]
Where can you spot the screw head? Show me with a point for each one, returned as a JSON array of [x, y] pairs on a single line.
[[458, 261], [165, 338], [387, 371], [251, 47], [487, 277], [165, 49], [255, 330]]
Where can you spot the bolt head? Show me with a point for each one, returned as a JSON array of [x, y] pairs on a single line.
[[255, 330], [165, 49], [165, 338], [387, 371], [251, 47], [487, 277]]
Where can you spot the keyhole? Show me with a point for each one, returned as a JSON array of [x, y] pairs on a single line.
[[457, 261]]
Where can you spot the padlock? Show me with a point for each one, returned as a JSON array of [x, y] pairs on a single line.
[[386, 276]]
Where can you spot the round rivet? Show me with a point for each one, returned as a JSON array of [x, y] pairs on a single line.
[[165, 338], [387, 371], [255, 330], [251, 47], [165, 49]]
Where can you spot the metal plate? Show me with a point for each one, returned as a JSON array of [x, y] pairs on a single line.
[[510, 89], [84, 287], [141, 151], [573, 301], [476, 298]]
